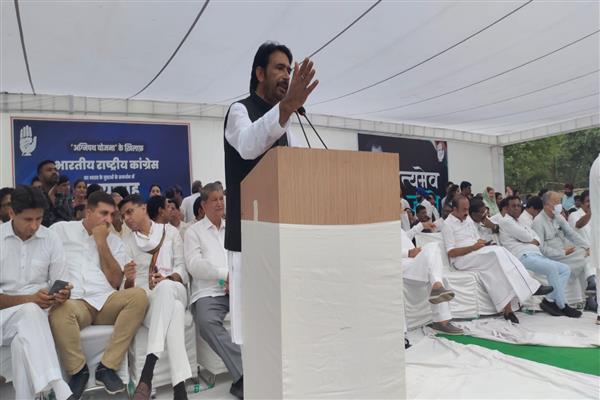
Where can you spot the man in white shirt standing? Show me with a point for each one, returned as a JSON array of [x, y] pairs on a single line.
[[95, 258], [502, 274], [532, 209], [524, 243], [158, 267], [252, 127], [580, 222], [206, 261], [32, 259], [595, 220], [187, 204]]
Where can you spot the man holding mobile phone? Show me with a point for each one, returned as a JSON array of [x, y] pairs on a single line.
[[32, 258]]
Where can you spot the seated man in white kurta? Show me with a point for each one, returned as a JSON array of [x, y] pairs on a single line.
[[580, 222], [503, 276], [32, 259], [158, 267], [559, 242], [424, 264]]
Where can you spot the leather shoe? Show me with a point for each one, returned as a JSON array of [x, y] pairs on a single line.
[[551, 308], [542, 290], [511, 317], [237, 388], [570, 312]]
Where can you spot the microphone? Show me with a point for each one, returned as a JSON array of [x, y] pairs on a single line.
[[302, 111]]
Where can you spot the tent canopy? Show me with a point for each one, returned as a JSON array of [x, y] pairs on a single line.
[[490, 68]]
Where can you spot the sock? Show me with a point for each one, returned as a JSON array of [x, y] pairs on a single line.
[[148, 370], [61, 389], [179, 392]]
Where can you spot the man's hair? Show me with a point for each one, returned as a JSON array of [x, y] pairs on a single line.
[[196, 186], [535, 202], [419, 208], [93, 188], [454, 202], [261, 59], [547, 196], [542, 191], [35, 179], [122, 190], [577, 197], [569, 186], [172, 201], [464, 185], [5, 191], [99, 196], [497, 194], [154, 204], [41, 165], [476, 205], [209, 188], [583, 195], [77, 208], [504, 202], [132, 198], [197, 205], [26, 197], [511, 198]]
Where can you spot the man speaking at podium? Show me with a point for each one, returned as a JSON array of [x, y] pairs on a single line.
[[252, 127]]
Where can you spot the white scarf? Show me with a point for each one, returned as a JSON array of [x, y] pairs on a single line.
[[148, 243]]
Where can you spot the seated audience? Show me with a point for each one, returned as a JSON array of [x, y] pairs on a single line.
[[502, 274], [158, 209], [198, 210], [465, 189], [187, 204], [559, 242], [36, 183], [580, 221], [95, 259], [58, 209], [489, 199], [424, 264], [524, 243], [94, 187], [158, 267], [155, 190], [206, 261], [176, 218], [568, 199], [5, 203], [32, 260], [79, 212], [79, 193], [121, 190], [532, 209], [485, 227]]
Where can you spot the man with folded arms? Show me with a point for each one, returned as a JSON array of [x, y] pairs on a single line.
[[206, 261], [95, 258], [158, 267], [560, 242], [524, 243], [503, 276], [32, 259]]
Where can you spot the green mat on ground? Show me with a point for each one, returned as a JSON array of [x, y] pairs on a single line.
[[586, 360]]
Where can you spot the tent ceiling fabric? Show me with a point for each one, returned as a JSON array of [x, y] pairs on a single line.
[[536, 67]]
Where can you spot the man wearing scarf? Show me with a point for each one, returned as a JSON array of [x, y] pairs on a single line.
[[252, 127], [158, 266]]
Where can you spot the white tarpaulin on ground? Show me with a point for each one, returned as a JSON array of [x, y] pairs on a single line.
[[491, 68], [437, 368], [540, 329]]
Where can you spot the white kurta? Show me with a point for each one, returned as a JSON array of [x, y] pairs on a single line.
[[502, 274], [26, 267], [426, 267], [168, 300], [595, 222]]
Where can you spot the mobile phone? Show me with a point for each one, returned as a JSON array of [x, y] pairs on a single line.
[[489, 243], [58, 285]]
